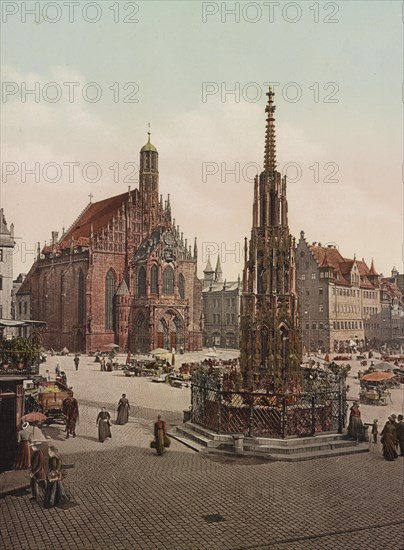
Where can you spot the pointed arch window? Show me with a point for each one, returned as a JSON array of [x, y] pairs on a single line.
[[62, 299], [80, 298], [141, 282], [181, 286], [168, 281], [109, 300], [154, 279]]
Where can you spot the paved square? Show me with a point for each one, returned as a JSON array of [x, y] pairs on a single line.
[[125, 496]]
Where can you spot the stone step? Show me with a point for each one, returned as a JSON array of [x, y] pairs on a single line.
[[186, 431], [298, 449], [361, 448], [207, 433], [300, 440], [321, 446], [190, 443]]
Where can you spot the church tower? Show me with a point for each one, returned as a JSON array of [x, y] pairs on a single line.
[[270, 344], [149, 187], [208, 273]]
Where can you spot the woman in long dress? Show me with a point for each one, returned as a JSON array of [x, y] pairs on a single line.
[[389, 438], [23, 458], [159, 435], [355, 426], [123, 410], [104, 425]]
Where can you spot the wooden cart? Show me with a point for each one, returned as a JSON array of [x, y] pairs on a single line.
[[51, 402]]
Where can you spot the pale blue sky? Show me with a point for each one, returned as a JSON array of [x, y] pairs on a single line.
[[169, 54]]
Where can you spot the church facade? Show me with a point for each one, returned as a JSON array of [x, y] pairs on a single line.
[[122, 274]]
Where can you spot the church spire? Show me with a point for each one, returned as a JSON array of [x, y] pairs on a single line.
[[218, 271], [270, 139], [208, 273], [195, 249], [208, 268]]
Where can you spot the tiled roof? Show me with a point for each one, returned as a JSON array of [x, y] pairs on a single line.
[[342, 267], [26, 284], [392, 289], [98, 214], [325, 256], [218, 287]]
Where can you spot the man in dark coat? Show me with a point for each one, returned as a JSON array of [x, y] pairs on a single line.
[[55, 493], [38, 475], [72, 417]]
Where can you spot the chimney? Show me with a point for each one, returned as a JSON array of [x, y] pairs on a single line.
[[55, 235]]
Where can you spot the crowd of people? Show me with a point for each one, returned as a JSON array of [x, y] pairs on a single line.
[[46, 477], [392, 434]]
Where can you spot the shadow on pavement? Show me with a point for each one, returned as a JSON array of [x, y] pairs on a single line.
[[88, 437], [54, 433]]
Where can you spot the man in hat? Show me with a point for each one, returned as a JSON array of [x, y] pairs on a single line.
[[389, 438], [400, 433], [38, 475]]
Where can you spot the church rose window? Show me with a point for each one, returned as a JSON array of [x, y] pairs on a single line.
[[109, 299], [141, 282], [168, 281], [181, 286], [153, 280]]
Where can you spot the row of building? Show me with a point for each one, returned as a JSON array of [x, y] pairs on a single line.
[[123, 273], [342, 302]]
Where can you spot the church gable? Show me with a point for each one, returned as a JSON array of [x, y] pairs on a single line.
[[164, 244]]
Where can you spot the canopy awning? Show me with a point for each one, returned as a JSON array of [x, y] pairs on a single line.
[[26, 323]]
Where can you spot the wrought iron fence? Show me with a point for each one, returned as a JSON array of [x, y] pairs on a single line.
[[268, 414]]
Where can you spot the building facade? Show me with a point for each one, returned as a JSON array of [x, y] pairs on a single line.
[[270, 337], [122, 273], [20, 305], [339, 299], [392, 310], [221, 308], [7, 245]]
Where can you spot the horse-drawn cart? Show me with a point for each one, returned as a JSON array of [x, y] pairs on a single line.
[[49, 397]]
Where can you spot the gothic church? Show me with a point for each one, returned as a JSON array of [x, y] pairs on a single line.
[[121, 274]]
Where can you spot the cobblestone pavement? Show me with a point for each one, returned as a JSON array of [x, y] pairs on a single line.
[[124, 496]]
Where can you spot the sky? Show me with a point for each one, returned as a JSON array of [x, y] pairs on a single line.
[[197, 72]]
